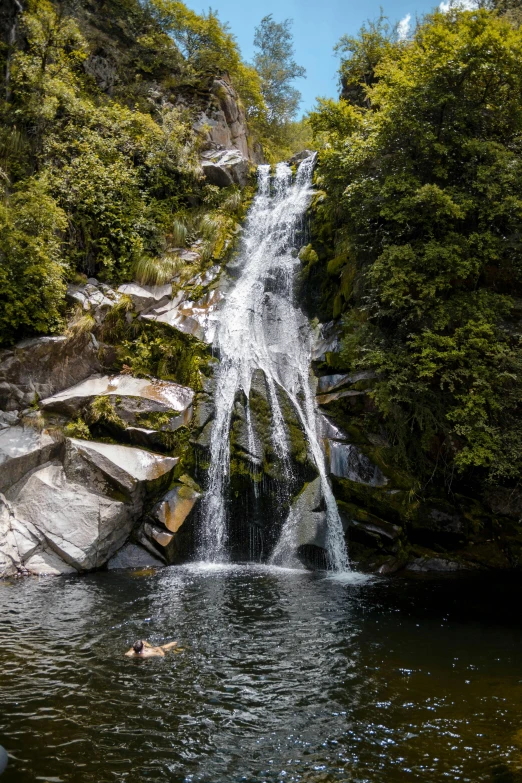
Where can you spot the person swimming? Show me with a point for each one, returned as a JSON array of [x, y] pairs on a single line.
[[142, 649]]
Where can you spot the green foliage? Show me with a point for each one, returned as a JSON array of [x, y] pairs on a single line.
[[158, 351], [77, 429], [274, 61], [360, 57], [31, 262], [209, 48], [113, 158], [102, 411], [277, 69], [421, 164]]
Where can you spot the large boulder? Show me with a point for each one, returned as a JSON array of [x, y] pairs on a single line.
[[174, 508], [38, 368], [135, 401], [129, 470], [74, 515], [80, 526], [298, 158], [198, 318], [94, 297], [223, 124], [145, 297], [133, 556], [225, 167], [305, 527], [23, 449]]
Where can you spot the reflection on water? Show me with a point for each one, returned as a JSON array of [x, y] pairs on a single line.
[[284, 676]]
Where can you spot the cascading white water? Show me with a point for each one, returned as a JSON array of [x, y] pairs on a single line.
[[259, 327]]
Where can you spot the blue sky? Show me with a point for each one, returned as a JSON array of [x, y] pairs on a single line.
[[318, 25]]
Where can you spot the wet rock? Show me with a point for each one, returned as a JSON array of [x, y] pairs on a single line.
[[390, 566], [225, 167], [300, 156], [345, 460], [23, 449], [370, 530], [135, 400], [39, 368], [204, 411], [438, 564], [9, 418], [133, 556], [307, 508], [197, 318], [175, 507], [329, 383], [305, 529], [326, 339], [324, 399], [145, 297]]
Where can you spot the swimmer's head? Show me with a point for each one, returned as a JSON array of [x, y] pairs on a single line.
[[138, 647]]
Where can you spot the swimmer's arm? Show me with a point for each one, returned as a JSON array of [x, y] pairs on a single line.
[[168, 646], [130, 653]]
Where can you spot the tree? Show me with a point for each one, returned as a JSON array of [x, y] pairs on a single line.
[[360, 56], [424, 184], [31, 262], [274, 61]]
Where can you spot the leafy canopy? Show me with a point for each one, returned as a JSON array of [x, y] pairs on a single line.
[[422, 169]]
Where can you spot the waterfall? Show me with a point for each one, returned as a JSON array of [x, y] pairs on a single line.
[[259, 327]]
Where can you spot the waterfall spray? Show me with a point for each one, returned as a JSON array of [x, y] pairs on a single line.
[[247, 338]]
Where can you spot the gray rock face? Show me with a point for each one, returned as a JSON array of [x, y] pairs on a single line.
[[79, 526], [145, 297], [38, 368], [73, 515], [299, 157], [23, 449], [223, 124], [225, 167], [329, 383], [133, 556], [197, 318], [133, 399], [128, 468], [326, 340], [94, 297], [346, 461], [311, 528], [305, 527]]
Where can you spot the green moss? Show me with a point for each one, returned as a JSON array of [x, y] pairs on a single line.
[[102, 411], [77, 429]]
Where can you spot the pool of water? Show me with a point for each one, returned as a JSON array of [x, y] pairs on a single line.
[[282, 676]]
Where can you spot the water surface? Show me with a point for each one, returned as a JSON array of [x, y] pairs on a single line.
[[283, 676]]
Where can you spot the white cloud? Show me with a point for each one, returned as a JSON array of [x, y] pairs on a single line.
[[403, 28]]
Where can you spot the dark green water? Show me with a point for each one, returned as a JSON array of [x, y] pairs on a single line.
[[284, 676]]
